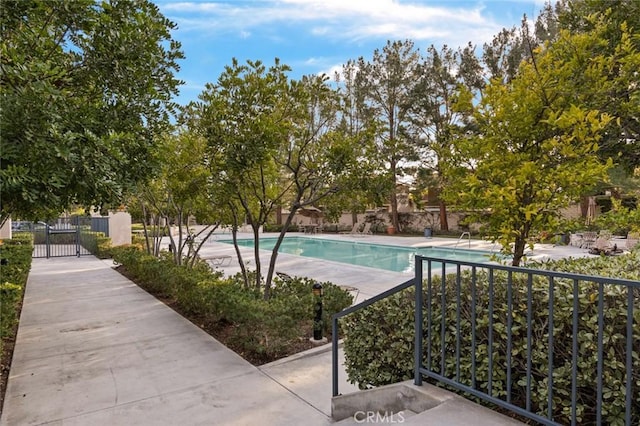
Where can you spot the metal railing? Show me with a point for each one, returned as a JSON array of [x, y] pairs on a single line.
[[335, 331], [61, 239], [520, 322], [525, 339]]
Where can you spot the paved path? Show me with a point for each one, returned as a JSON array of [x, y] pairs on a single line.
[[95, 349]]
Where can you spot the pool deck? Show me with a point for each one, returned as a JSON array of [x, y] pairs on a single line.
[[368, 281]]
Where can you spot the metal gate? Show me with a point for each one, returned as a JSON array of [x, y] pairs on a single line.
[[62, 238]]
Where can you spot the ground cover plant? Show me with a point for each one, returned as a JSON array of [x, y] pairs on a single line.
[[378, 341], [259, 330], [14, 270]]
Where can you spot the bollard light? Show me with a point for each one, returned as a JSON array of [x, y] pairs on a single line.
[[317, 289], [317, 321]]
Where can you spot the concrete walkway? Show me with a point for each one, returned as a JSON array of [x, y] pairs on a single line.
[[95, 349]]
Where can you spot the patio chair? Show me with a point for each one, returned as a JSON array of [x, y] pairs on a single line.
[[589, 239], [602, 245], [217, 261], [284, 277], [575, 240], [605, 233], [354, 230], [366, 230]]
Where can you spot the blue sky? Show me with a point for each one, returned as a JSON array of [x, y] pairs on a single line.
[[315, 36]]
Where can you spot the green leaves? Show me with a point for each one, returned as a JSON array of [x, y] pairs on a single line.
[[378, 341], [84, 88], [537, 142]]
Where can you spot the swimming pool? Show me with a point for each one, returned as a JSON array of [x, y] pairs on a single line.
[[380, 256]]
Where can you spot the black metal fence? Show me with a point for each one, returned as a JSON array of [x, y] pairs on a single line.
[[558, 348], [550, 346], [65, 237]]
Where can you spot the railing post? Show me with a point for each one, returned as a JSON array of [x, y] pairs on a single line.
[[417, 356], [47, 241], [77, 237], [334, 355]]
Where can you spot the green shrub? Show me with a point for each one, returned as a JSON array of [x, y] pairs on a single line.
[[260, 329], [10, 297], [96, 243], [272, 227], [379, 340], [17, 252], [14, 271], [152, 230]]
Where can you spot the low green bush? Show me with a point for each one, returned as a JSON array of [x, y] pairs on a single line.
[[272, 227], [10, 297], [259, 329], [14, 271], [17, 254], [96, 243], [378, 341], [152, 230]]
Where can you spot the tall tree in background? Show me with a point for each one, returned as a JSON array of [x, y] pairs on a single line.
[[177, 192], [618, 22], [537, 146], [434, 116], [388, 81], [368, 183], [85, 88], [504, 54]]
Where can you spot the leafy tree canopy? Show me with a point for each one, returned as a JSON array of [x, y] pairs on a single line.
[[84, 88], [537, 145]]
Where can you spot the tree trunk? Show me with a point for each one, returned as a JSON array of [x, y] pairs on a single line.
[[234, 236], [518, 250], [444, 223], [144, 228], [394, 199], [274, 253], [256, 253], [243, 269]]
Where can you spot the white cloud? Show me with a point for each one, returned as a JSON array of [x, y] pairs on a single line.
[[349, 20]]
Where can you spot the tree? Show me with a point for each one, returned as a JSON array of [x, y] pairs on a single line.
[[317, 159], [388, 81], [503, 56], [537, 146], [434, 114], [177, 193], [274, 142], [244, 119], [368, 183], [85, 88], [618, 23]]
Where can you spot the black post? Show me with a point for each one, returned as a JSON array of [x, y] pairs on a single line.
[[317, 321]]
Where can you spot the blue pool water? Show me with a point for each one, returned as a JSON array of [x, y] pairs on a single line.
[[380, 256]]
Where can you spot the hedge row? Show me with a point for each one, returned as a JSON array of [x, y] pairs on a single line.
[[378, 341], [14, 270], [259, 329], [96, 243]]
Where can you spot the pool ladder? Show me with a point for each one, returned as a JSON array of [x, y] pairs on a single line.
[[461, 237]]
